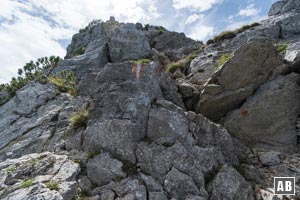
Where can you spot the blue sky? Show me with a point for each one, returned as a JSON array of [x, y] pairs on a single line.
[[30, 29]]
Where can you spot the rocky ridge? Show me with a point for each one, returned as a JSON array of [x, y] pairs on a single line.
[[199, 133]]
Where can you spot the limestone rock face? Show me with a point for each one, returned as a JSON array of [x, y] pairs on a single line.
[[38, 176], [267, 118]]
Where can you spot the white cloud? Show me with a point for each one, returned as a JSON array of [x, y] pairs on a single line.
[[249, 11], [199, 5], [193, 18], [201, 32], [31, 29]]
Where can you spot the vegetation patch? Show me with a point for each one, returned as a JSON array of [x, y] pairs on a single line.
[[27, 183], [52, 185], [92, 154], [246, 27], [231, 34], [190, 57], [160, 29], [224, 58], [80, 119], [172, 67], [65, 82], [11, 170], [141, 61], [78, 51], [282, 48]]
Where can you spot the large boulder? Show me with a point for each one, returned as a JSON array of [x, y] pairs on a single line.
[[250, 66], [38, 176], [267, 118]]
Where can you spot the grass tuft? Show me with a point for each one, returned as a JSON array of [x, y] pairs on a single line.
[[27, 183], [224, 58], [52, 185], [282, 48], [172, 67], [142, 61], [65, 82], [80, 119]]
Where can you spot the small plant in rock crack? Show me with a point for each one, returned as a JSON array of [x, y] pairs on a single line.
[[172, 67], [224, 58], [282, 48], [27, 183], [52, 185], [65, 81], [80, 119]]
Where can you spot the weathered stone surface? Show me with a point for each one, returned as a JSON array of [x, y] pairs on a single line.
[[250, 66], [292, 52], [35, 120], [269, 158], [4, 97], [102, 169], [209, 134], [174, 45], [284, 6], [267, 118], [190, 94], [166, 126], [179, 185], [39, 169], [227, 178], [128, 188], [124, 41]]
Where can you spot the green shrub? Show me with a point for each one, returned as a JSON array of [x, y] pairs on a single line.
[[27, 183], [65, 82], [52, 185], [80, 119], [142, 61], [172, 67], [224, 58], [78, 51], [282, 48]]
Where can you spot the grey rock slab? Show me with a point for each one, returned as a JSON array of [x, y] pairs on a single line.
[[102, 169], [279, 100]]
